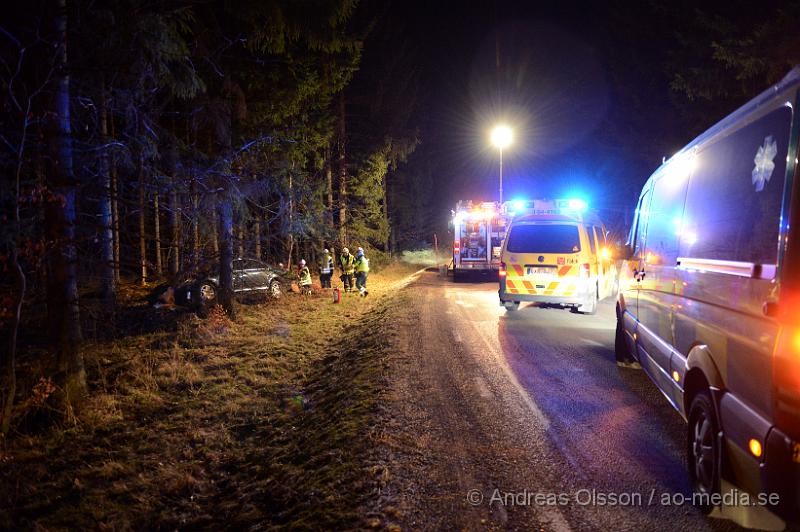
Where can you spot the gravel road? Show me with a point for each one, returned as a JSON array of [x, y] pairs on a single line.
[[523, 421]]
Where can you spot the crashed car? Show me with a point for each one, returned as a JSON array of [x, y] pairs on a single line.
[[202, 287], [249, 275]]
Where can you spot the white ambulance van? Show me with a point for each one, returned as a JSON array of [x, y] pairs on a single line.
[[556, 252], [709, 301]]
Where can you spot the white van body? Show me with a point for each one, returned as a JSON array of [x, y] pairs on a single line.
[[708, 301]]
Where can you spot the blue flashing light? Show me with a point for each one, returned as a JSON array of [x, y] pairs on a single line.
[[519, 205], [578, 205]]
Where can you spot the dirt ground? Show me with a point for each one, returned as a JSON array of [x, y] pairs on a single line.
[[265, 423]]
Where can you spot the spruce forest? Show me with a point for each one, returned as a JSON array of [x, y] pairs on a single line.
[[142, 140]]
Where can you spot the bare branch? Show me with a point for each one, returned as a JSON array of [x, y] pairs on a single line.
[[11, 37]]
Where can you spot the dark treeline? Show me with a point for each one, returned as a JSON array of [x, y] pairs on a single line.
[[144, 139]]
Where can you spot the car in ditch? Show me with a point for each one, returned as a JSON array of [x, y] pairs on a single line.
[[201, 286], [249, 276]]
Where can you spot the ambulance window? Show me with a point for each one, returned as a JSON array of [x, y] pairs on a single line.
[[601, 236], [665, 219], [640, 227], [733, 206], [590, 234], [597, 234], [544, 238]]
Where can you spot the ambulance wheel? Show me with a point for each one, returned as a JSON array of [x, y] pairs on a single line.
[[591, 307], [511, 305], [703, 450]]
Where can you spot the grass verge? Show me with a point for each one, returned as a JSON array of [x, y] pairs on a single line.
[[262, 423]]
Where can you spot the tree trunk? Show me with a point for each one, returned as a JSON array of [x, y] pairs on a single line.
[[157, 233], [175, 223], [257, 235], [331, 229], [106, 216], [387, 220], [289, 249], [10, 359], [341, 155], [226, 255], [290, 236], [215, 230], [60, 217], [174, 203], [267, 238], [195, 224], [142, 224], [115, 205]]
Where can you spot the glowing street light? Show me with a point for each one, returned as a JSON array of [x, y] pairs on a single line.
[[501, 137]]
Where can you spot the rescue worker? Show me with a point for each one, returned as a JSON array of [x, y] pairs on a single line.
[[326, 269], [347, 265], [305, 277], [362, 271]]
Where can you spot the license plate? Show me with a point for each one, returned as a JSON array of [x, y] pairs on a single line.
[[533, 270], [796, 453]]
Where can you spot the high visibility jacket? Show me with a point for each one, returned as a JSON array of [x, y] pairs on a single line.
[[326, 265], [362, 264], [305, 276], [347, 263]]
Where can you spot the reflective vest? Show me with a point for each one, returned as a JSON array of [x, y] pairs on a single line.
[[305, 276], [362, 264], [347, 263], [326, 266]]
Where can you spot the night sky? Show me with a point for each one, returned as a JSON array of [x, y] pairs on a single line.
[[581, 84]]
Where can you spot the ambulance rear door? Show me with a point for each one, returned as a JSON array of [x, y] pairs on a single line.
[[544, 257]]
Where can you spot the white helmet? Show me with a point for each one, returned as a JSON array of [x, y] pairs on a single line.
[[345, 250], [303, 262], [361, 250], [325, 250]]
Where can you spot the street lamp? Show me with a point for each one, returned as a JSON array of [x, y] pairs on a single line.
[[501, 138]]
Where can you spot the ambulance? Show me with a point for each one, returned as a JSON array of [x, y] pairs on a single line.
[[478, 232], [555, 252], [709, 299]]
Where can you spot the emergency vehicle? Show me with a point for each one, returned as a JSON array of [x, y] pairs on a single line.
[[555, 252], [709, 298], [478, 232]]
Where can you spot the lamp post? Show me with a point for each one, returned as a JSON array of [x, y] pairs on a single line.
[[501, 138]]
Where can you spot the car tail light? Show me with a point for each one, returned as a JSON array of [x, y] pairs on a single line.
[[503, 272], [585, 270], [456, 247]]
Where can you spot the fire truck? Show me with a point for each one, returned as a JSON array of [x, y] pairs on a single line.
[[478, 232]]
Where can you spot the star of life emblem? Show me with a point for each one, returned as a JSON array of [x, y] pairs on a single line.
[[764, 163]]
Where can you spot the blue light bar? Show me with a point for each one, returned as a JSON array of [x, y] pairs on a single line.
[[579, 205]]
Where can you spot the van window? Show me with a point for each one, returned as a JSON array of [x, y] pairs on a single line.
[[640, 226], [665, 223], [590, 234], [544, 238], [734, 202], [601, 236]]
